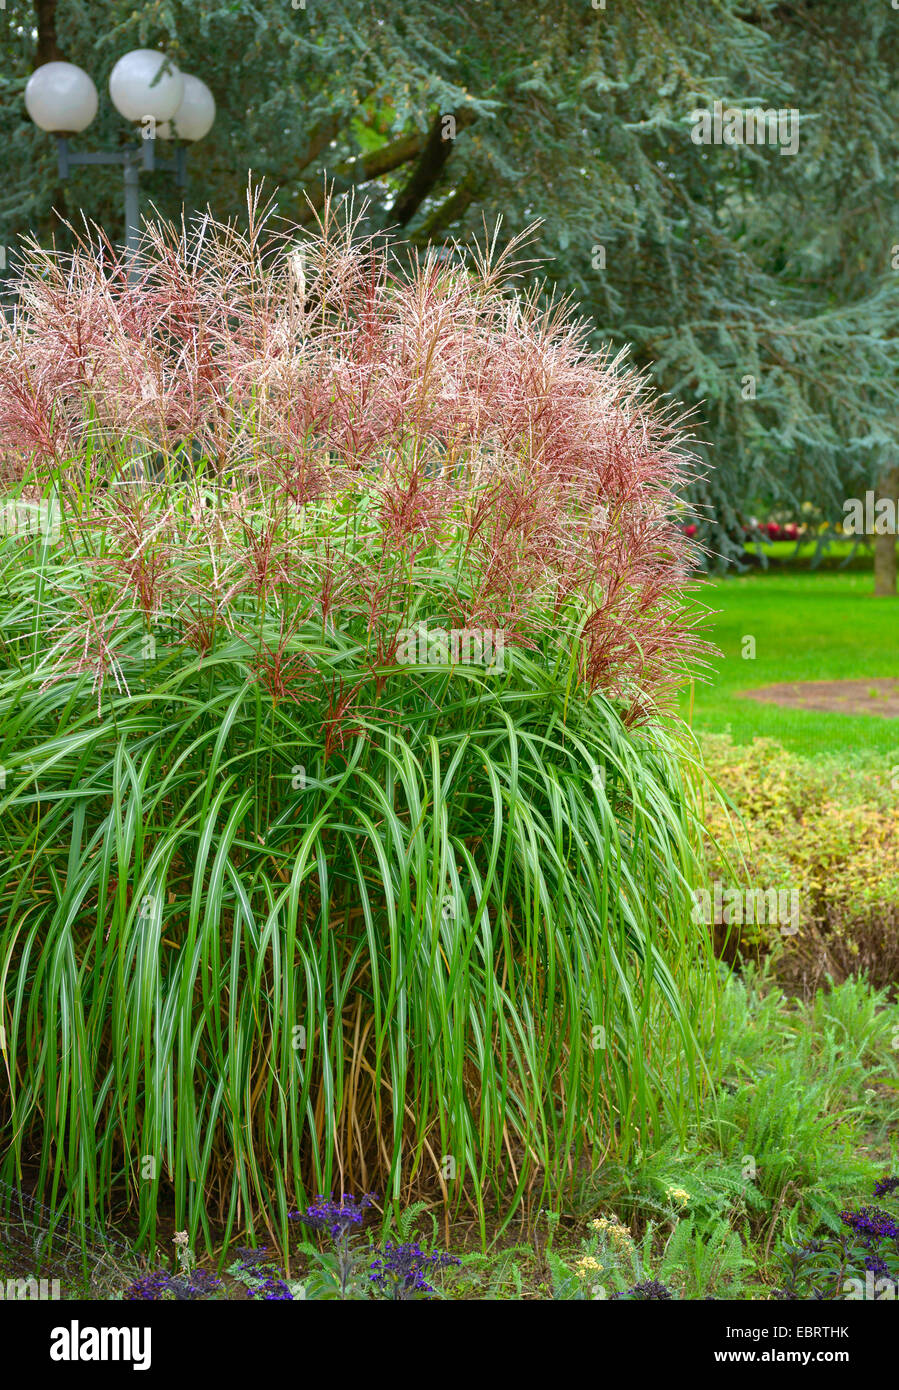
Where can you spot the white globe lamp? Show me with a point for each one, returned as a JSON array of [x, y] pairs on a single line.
[[194, 116], [146, 83], [61, 98]]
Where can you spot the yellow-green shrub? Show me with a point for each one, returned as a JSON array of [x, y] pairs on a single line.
[[827, 831]]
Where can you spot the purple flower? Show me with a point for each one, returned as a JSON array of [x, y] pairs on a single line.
[[154, 1287], [649, 1289], [259, 1264], [272, 1290], [399, 1270], [253, 1258], [872, 1223], [336, 1217], [148, 1288], [885, 1187]]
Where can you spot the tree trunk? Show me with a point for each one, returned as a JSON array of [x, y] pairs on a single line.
[[885, 546], [47, 46]]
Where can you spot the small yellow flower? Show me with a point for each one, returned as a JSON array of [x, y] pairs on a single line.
[[612, 1230], [677, 1194], [586, 1266]]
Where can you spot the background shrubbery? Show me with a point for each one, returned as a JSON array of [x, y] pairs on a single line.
[[826, 829]]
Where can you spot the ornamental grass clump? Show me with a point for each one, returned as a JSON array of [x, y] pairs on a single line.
[[346, 839]]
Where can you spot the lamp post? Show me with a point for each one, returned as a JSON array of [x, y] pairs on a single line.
[[151, 93]]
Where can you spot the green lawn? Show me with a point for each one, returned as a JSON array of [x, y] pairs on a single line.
[[810, 626], [856, 554]]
